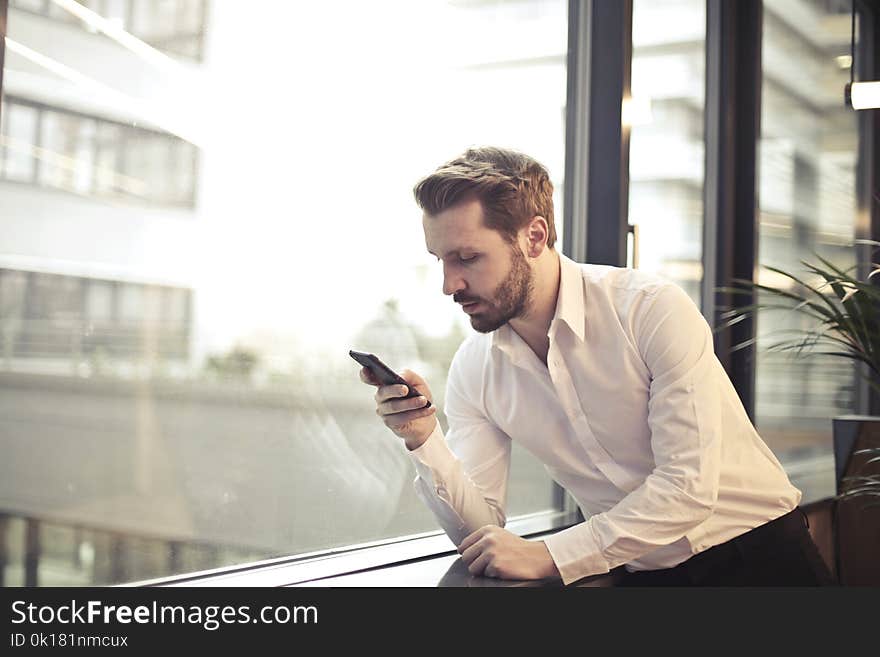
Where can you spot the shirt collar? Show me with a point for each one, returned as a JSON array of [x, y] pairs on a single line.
[[570, 305], [571, 302]]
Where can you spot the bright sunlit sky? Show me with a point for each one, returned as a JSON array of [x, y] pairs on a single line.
[[318, 127]]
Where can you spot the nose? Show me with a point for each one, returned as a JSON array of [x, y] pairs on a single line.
[[452, 282]]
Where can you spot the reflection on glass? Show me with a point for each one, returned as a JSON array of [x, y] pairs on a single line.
[[89, 155], [666, 138], [807, 182], [176, 27], [181, 284], [19, 135]]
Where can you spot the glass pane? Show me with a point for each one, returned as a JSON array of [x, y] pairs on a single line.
[[182, 165], [67, 151], [173, 26], [99, 301], [19, 141], [13, 288], [154, 19], [807, 153], [176, 306], [59, 13], [108, 173], [146, 164], [35, 6], [212, 413], [117, 12], [666, 139], [53, 317]]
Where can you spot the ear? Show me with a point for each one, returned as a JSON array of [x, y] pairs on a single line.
[[536, 233]]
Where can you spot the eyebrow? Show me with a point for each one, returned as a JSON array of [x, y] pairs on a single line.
[[459, 251]]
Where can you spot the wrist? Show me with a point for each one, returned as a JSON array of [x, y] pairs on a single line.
[[415, 443], [550, 569]]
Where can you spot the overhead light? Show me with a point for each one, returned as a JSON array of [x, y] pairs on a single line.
[[859, 95], [863, 95]]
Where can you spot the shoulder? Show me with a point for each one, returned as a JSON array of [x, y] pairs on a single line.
[[622, 280], [470, 357], [625, 292]]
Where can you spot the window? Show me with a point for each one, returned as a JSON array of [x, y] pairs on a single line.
[[176, 27], [74, 320], [19, 138], [807, 152], [204, 410], [93, 156], [666, 139]]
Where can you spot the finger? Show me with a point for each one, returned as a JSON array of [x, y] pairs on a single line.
[[470, 539], [412, 378], [472, 553], [367, 377], [400, 419], [480, 564], [393, 406], [384, 393]]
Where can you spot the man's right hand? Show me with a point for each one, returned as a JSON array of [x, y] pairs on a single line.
[[407, 418]]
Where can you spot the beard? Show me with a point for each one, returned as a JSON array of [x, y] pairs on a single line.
[[511, 297]]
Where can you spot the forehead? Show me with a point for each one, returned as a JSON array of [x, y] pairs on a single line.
[[459, 227]]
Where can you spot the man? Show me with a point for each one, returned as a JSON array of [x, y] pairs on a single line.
[[608, 376]]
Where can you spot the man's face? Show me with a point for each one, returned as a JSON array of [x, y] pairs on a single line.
[[489, 277]]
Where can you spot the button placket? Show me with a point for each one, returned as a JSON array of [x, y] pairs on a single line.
[[600, 457]]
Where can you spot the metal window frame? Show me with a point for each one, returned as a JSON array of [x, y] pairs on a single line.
[[867, 175], [599, 68], [730, 193], [4, 7]]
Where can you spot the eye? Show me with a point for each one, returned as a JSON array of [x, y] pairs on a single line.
[[467, 258]]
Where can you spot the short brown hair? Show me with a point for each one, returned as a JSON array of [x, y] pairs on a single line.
[[512, 188]]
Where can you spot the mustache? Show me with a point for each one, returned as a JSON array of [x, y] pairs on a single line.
[[463, 299]]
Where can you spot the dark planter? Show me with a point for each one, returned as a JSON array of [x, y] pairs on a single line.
[[858, 524]]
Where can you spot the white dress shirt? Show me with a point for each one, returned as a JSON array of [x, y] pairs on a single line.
[[633, 415]]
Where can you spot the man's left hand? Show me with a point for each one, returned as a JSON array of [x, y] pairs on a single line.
[[495, 552]]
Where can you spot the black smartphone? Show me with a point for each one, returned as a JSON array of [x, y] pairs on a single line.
[[384, 373]]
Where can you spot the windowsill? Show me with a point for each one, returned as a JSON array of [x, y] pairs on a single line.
[[419, 553]]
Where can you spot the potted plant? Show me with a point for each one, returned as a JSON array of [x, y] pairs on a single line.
[[843, 321]]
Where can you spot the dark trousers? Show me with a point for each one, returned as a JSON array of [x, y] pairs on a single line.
[[778, 553]]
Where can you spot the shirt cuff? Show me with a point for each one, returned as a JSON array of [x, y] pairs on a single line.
[[434, 460], [576, 553]]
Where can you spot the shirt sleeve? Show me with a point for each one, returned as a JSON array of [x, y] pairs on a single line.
[[462, 477], [684, 417]]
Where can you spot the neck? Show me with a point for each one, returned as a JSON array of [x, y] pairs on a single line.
[[534, 325]]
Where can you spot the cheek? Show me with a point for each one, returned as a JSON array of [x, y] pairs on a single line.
[[487, 282]]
